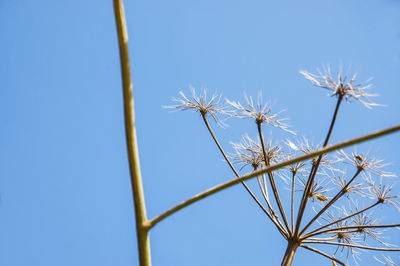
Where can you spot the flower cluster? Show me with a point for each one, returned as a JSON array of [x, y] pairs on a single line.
[[323, 181]]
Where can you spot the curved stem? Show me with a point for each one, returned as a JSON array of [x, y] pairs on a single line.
[[142, 225], [271, 168]]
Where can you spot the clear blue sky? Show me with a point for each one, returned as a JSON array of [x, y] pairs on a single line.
[[65, 194]]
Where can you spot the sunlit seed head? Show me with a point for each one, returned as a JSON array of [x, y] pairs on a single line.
[[260, 112], [248, 152], [364, 162], [200, 103], [383, 193], [342, 86]]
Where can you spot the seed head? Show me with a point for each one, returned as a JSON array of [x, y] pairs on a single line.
[[200, 103], [259, 112], [342, 86], [382, 192], [248, 152], [364, 163]]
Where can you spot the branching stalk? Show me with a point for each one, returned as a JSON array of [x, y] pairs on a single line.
[[332, 201], [341, 219], [142, 225], [271, 168], [290, 252], [274, 219], [314, 169]]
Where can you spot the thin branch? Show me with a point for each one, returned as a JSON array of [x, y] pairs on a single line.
[[271, 168], [142, 225], [341, 219], [314, 170], [340, 229], [272, 180], [332, 201], [272, 218], [325, 238], [323, 254], [351, 245], [292, 201]]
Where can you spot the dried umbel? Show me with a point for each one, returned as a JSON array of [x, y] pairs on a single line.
[[326, 183], [200, 103], [342, 86]]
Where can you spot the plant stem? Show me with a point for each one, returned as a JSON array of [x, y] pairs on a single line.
[[352, 246], [323, 254], [337, 221], [272, 180], [332, 201], [290, 252], [277, 224], [314, 169], [292, 201], [271, 168], [142, 225], [339, 229]]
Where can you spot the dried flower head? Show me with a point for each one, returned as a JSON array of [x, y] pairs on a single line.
[[365, 163], [303, 145], [248, 152], [200, 103], [341, 183], [317, 189], [261, 113], [387, 261], [363, 221], [383, 192], [342, 86], [345, 236]]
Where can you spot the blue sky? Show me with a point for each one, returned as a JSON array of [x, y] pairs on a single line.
[[65, 194]]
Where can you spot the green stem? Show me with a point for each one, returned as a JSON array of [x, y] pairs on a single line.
[[142, 225], [271, 168]]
